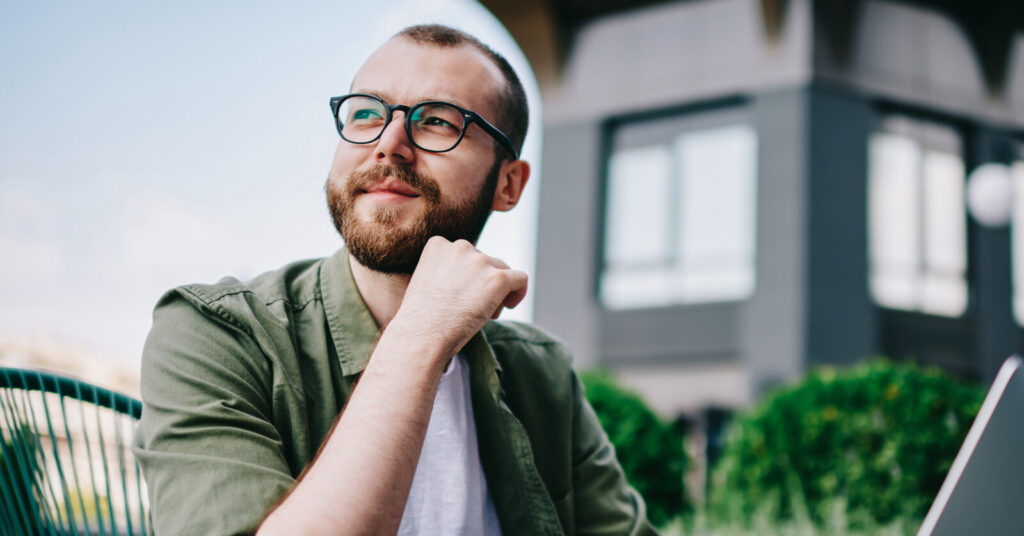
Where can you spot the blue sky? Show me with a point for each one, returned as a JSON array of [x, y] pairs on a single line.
[[147, 145]]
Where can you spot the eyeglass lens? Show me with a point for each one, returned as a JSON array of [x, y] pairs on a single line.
[[433, 127]]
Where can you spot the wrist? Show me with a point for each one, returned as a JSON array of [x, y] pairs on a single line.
[[414, 345]]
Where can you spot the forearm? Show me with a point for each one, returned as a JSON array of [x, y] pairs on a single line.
[[361, 478]]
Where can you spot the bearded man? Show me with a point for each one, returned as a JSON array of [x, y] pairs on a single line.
[[370, 392]]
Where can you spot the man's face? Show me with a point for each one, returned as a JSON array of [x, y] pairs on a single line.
[[388, 197]]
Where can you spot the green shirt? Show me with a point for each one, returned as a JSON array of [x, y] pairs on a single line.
[[242, 382]]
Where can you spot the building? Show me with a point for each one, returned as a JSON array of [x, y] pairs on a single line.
[[736, 191]]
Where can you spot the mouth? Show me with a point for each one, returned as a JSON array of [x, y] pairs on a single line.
[[391, 187]]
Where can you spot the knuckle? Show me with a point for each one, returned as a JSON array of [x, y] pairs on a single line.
[[496, 279], [480, 263]]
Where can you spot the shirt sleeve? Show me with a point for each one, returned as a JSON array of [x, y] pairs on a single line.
[[211, 457], [604, 502]]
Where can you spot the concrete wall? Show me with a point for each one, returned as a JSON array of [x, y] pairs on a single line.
[[568, 218], [676, 53], [909, 53], [774, 317]]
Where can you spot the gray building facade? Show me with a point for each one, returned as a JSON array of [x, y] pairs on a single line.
[[737, 191]]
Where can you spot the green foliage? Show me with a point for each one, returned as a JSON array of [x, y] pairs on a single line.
[[874, 441], [650, 450], [837, 524]]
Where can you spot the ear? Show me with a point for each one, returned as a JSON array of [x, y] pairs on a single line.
[[511, 181]]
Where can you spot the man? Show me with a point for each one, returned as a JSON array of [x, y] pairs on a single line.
[[449, 423]]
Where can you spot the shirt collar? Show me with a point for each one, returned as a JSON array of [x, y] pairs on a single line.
[[355, 333], [352, 327]]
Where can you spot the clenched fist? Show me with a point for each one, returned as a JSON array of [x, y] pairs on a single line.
[[454, 290]]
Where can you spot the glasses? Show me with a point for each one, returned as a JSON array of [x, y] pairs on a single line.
[[433, 126]]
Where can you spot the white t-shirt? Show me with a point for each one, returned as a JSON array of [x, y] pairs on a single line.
[[449, 493]]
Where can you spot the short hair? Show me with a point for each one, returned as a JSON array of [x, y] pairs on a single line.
[[513, 111]]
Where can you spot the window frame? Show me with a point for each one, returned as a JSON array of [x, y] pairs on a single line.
[[666, 122], [909, 121]]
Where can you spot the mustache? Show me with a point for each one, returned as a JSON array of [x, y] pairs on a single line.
[[361, 180]]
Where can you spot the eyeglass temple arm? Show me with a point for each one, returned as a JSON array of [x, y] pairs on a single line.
[[496, 134]]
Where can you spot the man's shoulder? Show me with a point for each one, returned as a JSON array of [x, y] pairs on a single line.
[[509, 331], [244, 326], [293, 286], [527, 348]]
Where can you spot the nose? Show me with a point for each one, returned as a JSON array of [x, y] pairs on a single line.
[[394, 145]]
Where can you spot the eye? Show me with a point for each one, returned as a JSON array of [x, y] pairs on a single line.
[[365, 114], [437, 121], [362, 111], [437, 118]]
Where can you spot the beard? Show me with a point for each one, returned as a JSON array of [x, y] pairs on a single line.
[[379, 243]]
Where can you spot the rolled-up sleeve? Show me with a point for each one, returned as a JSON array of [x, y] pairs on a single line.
[[210, 454]]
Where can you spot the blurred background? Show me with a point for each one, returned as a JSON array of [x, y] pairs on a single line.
[[728, 194]]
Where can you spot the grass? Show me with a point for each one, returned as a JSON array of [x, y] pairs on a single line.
[[839, 521]]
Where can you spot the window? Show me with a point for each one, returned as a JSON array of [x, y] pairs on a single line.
[[917, 218], [680, 212], [1017, 233]]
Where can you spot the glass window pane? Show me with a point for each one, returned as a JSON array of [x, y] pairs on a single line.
[[894, 176], [1017, 234], [715, 240], [917, 217], [945, 219], [943, 294], [731, 283], [637, 226], [632, 289], [895, 289]]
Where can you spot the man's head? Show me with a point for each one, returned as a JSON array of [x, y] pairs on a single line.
[[388, 196]]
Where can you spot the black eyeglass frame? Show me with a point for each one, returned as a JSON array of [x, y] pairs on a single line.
[[468, 116]]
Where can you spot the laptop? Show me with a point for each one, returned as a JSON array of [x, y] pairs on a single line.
[[983, 493]]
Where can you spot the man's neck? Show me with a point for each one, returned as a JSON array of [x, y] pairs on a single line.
[[381, 292]]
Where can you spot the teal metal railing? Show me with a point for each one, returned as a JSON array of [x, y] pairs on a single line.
[[65, 461]]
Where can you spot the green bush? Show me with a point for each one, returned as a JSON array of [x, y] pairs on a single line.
[[650, 450], [870, 445]]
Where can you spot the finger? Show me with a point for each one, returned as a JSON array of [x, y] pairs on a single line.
[[514, 299], [436, 241], [520, 283], [511, 301]]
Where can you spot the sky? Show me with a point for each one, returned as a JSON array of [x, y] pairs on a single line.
[[147, 145]]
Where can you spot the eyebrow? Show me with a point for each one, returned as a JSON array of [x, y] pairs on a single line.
[[390, 98]]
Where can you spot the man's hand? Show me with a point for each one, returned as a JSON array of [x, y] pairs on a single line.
[[454, 290]]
